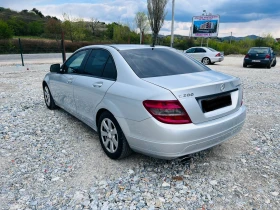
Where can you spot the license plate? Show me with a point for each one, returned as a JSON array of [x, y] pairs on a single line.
[[256, 61]]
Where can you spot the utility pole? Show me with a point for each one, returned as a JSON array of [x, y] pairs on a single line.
[[230, 37], [172, 24]]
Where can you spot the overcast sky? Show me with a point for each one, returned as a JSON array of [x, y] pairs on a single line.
[[241, 17]]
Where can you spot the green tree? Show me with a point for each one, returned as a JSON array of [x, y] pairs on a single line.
[[35, 28], [5, 31], [19, 27], [74, 28]]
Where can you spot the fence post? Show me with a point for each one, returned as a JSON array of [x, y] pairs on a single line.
[[63, 47], [20, 47]]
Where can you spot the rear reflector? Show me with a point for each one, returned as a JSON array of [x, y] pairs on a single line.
[[170, 112]]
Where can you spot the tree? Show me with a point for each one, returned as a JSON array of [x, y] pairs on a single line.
[[18, 26], [156, 16], [53, 28], [5, 31], [94, 25], [35, 28], [121, 34], [74, 27], [141, 21], [38, 12]]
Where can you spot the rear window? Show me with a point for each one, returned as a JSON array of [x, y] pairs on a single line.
[[212, 49], [259, 50], [156, 62]]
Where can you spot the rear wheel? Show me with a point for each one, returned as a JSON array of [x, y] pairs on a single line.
[[274, 63], [268, 66], [111, 137], [244, 65], [206, 61]]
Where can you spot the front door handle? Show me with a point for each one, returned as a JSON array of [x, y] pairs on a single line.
[[97, 84], [69, 81]]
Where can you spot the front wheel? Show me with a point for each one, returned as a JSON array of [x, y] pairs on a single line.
[[48, 98], [206, 61], [111, 137]]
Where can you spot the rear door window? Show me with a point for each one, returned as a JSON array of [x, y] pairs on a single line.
[[156, 62], [100, 64], [199, 50]]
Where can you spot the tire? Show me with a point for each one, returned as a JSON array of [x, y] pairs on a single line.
[[244, 65], [48, 98], [268, 66], [111, 137], [274, 63], [206, 61]]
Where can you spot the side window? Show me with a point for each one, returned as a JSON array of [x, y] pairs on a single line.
[[190, 50], [200, 50], [74, 64], [110, 71], [96, 62]]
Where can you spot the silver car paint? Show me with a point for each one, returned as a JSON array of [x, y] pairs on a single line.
[[124, 98]]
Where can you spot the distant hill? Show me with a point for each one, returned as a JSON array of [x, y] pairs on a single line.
[[24, 15], [227, 38]]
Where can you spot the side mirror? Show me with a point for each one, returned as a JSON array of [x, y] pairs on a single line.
[[55, 68]]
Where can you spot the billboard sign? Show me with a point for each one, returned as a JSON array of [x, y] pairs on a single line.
[[205, 26]]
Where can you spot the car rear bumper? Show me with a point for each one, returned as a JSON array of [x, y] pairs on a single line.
[[167, 141], [216, 59], [256, 61]]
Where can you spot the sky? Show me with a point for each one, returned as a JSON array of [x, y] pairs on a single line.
[[241, 17]]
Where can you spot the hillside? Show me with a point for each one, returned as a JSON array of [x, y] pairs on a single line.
[[25, 15]]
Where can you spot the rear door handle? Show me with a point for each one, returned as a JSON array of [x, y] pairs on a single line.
[[70, 80], [97, 84]]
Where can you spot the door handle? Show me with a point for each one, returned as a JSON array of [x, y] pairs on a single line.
[[97, 84], [69, 81]]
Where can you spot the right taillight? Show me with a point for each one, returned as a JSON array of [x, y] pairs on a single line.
[[170, 112], [267, 56], [246, 56]]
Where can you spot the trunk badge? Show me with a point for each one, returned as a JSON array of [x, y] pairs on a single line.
[[222, 87]]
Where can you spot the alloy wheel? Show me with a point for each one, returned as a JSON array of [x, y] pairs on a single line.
[[47, 96], [109, 135]]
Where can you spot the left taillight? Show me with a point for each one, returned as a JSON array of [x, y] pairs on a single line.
[[170, 111], [218, 55]]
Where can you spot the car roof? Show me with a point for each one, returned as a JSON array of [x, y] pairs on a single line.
[[133, 46], [120, 47], [260, 47]]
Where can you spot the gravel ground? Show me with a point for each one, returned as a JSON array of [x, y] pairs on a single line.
[[51, 160]]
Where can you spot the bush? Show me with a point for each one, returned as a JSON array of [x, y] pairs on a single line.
[[5, 31]]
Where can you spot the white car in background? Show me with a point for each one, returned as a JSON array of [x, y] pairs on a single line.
[[206, 55]]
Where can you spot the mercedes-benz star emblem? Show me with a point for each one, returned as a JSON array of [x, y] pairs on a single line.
[[222, 87]]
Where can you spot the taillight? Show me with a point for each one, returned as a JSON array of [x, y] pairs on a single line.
[[170, 112], [218, 55], [246, 56], [267, 56]]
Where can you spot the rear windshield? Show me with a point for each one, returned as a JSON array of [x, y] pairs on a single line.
[[259, 50], [212, 49], [156, 62]]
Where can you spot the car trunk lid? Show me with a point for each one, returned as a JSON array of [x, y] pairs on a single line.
[[204, 95]]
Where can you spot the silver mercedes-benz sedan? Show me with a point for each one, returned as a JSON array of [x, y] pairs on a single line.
[[153, 100]]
